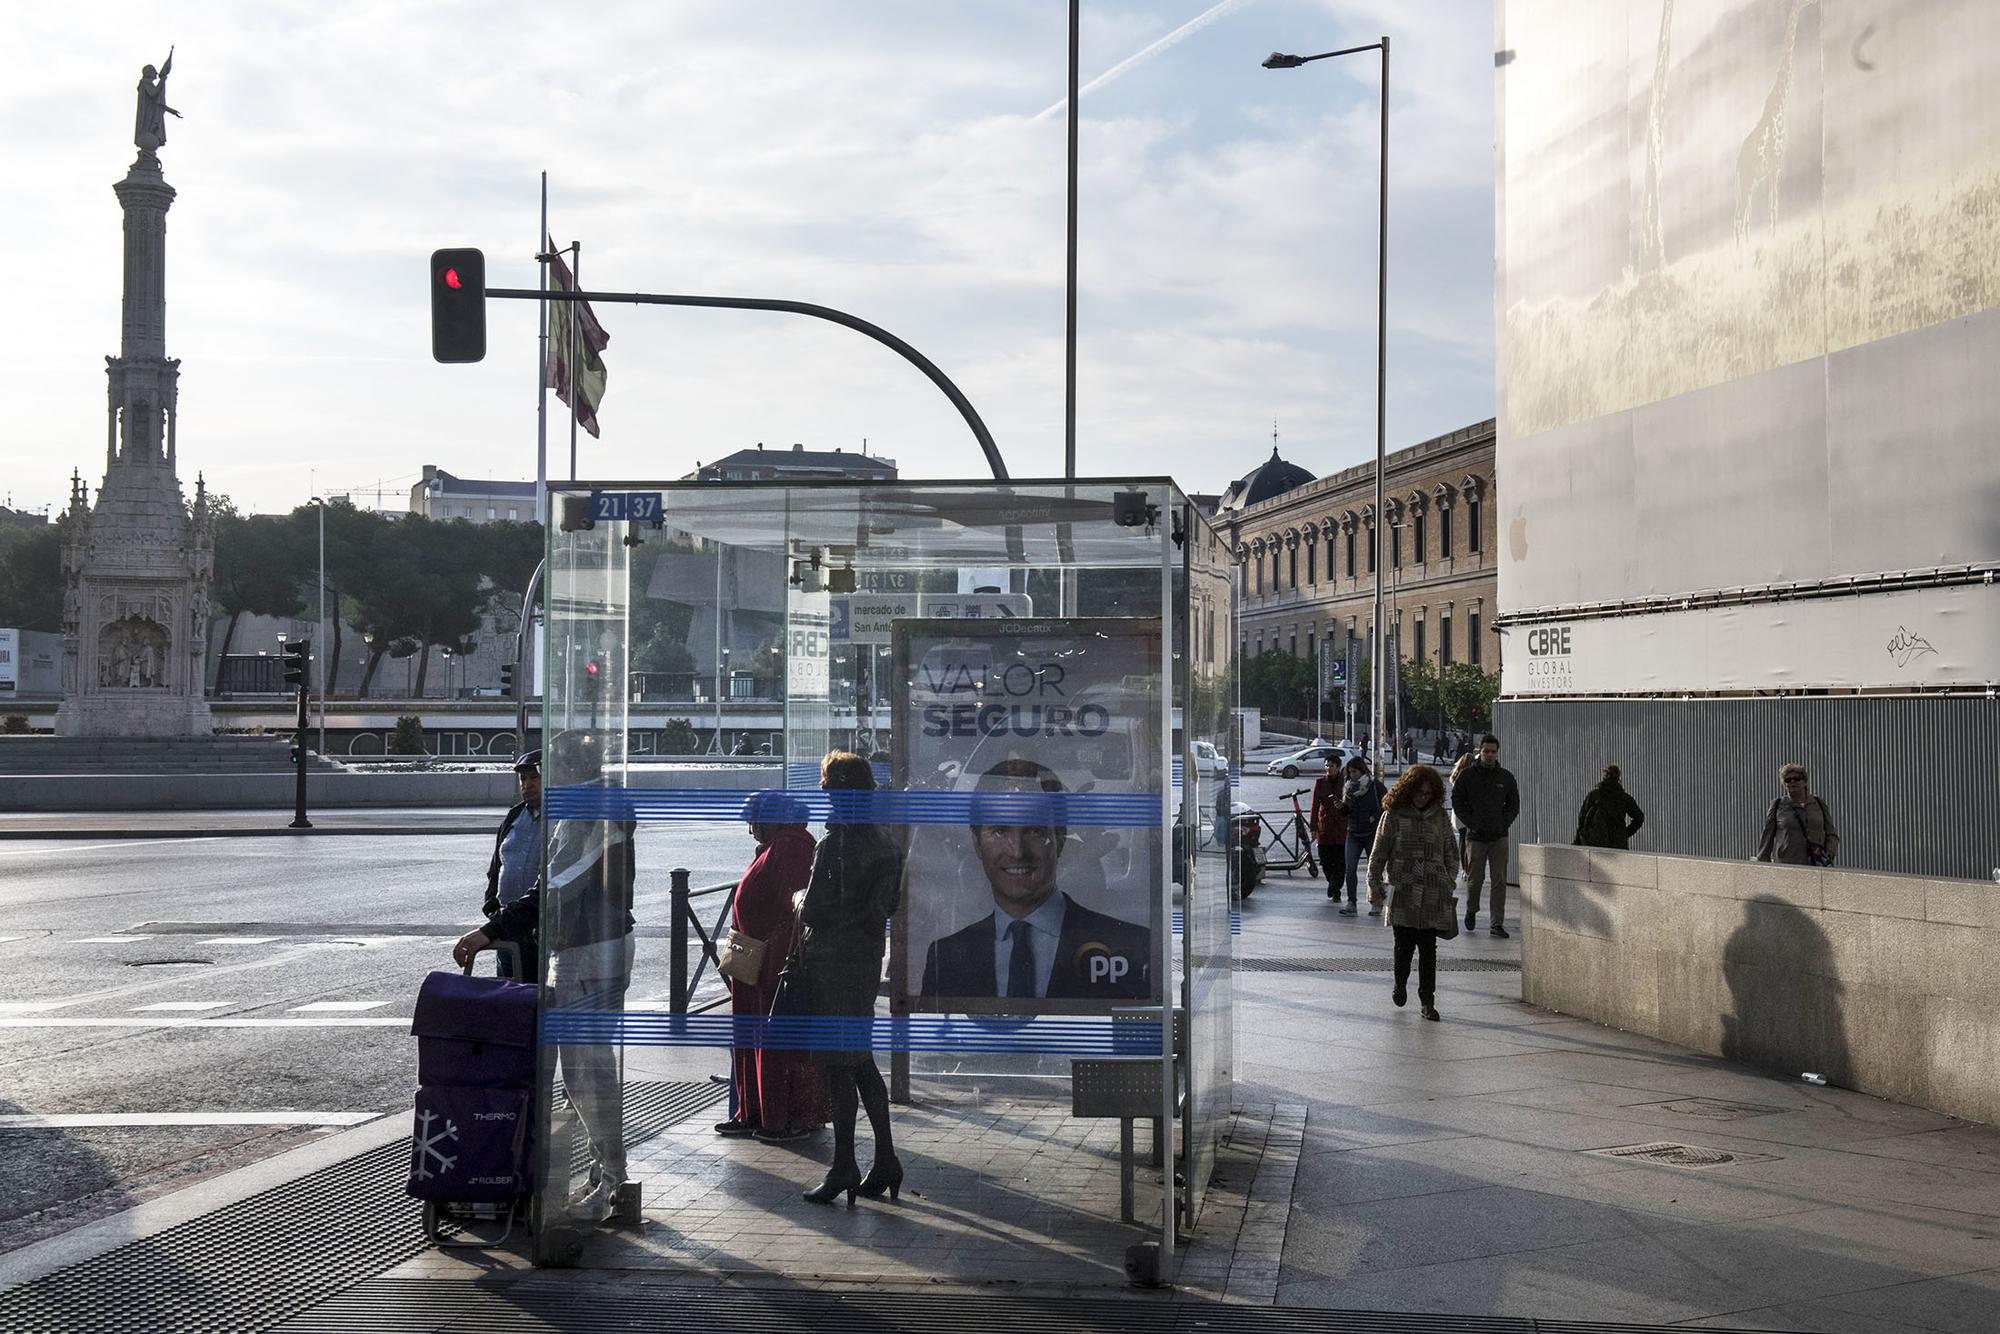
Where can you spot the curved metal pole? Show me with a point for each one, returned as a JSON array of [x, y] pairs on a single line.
[[828, 313], [524, 682]]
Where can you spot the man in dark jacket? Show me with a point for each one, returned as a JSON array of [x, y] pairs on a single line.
[[1329, 823], [517, 866], [1361, 802], [1609, 817], [1486, 800]]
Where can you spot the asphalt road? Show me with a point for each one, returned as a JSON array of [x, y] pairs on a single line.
[[161, 977], [235, 935]]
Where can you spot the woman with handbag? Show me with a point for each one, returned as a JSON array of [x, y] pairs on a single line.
[[1416, 853], [778, 1093], [1798, 828], [857, 881]]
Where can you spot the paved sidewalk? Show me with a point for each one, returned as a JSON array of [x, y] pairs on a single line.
[[1377, 1163]]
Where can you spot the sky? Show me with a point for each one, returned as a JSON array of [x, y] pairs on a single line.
[[902, 160]]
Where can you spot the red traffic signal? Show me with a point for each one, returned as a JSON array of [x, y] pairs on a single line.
[[458, 305]]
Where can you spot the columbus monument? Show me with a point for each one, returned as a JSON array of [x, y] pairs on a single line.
[[136, 565]]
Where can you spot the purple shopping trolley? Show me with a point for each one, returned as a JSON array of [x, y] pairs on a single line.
[[475, 1101]]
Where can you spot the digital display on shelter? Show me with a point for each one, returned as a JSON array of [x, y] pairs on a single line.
[[1035, 885]]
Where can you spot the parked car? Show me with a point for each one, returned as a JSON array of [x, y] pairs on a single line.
[[1314, 756], [1208, 761]]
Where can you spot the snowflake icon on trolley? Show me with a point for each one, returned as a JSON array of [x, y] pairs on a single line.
[[427, 1142]]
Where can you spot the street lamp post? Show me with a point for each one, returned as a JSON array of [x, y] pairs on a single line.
[[320, 504], [1277, 60]]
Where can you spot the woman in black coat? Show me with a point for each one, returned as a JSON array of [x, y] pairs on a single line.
[[857, 881]]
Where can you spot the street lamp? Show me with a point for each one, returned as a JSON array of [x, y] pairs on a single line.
[[1278, 60], [320, 505]]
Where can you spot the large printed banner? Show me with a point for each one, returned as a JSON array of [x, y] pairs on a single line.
[[1046, 897]]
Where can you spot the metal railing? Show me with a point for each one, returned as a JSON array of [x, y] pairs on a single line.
[[681, 987]]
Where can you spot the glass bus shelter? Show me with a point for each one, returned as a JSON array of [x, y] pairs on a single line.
[[1034, 656]]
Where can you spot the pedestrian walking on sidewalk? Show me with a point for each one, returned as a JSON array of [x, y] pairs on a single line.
[[1486, 800], [1798, 829], [1466, 759], [1329, 824], [857, 881], [1609, 817], [778, 1093], [1416, 854], [1361, 801]]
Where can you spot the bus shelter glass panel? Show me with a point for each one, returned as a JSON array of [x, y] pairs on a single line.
[[1209, 761], [1020, 667], [585, 939]]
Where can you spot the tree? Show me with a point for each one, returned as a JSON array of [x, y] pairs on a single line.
[[261, 567], [420, 587], [31, 580], [1418, 680], [1467, 694]]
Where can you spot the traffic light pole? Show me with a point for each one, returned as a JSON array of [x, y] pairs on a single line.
[[840, 317], [299, 820]]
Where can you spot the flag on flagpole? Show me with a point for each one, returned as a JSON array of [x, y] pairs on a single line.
[[576, 342]]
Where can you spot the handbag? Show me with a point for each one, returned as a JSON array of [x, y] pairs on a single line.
[[1449, 931], [741, 958], [1815, 852]]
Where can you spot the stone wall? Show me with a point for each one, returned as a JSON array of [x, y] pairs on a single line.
[[1883, 983]]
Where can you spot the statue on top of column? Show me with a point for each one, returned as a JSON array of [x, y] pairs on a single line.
[[149, 130]]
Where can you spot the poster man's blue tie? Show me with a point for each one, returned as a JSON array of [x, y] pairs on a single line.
[[1020, 961]]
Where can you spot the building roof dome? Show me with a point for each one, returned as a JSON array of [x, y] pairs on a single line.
[[1272, 477]]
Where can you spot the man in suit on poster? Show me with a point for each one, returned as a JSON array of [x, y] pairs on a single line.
[[1038, 943]]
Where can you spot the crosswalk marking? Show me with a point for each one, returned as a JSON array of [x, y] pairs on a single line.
[[30, 1007], [318, 1006], [63, 1121], [5, 939], [112, 940], [237, 940], [183, 1005]]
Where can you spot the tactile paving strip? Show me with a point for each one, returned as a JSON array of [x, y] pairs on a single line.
[[540, 1303], [1367, 963], [251, 1264]]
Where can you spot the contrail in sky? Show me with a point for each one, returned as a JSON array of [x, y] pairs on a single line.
[[1188, 29]]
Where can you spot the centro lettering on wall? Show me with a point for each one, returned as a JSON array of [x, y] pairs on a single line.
[[1032, 754]]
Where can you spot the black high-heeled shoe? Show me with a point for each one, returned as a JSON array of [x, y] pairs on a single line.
[[839, 1178], [883, 1174]]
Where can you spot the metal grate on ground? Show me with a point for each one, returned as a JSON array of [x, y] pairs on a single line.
[[1367, 963], [588, 1306], [251, 1264]]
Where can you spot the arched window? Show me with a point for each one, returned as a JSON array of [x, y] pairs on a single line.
[[1368, 520]]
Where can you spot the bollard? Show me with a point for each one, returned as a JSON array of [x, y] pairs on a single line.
[[678, 961]]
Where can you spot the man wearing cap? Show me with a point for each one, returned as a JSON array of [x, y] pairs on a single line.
[[1038, 943], [517, 861]]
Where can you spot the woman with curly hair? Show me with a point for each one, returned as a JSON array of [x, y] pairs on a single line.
[[1416, 853]]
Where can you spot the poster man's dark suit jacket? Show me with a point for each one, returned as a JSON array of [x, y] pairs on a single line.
[[961, 964]]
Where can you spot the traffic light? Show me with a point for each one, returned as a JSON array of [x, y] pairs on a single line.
[[458, 305], [298, 752], [507, 680], [296, 655]]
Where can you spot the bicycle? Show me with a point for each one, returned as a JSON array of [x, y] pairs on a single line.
[[1292, 846]]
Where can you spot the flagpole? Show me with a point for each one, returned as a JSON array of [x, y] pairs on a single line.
[[542, 372], [576, 354]]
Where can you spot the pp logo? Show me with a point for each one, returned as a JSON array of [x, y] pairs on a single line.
[[1100, 966]]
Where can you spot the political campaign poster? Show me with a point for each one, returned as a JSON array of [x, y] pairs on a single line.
[[1029, 757]]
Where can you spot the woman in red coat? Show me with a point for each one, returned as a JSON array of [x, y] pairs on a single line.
[[779, 1095]]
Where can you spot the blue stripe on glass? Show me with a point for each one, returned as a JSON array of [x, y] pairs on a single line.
[[590, 801], [1235, 923], [1046, 1034]]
